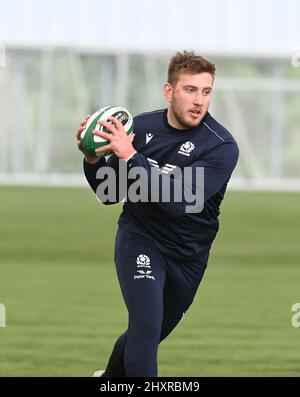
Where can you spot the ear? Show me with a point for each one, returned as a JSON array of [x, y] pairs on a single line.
[[168, 91]]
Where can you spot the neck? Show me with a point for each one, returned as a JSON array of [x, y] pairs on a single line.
[[173, 121]]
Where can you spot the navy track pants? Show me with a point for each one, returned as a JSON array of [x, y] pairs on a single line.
[[157, 291]]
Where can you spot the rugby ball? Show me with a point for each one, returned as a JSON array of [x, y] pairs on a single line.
[[90, 142]]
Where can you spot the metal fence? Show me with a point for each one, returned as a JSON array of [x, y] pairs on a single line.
[[45, 92]]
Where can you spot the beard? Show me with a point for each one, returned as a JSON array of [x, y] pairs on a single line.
[[182, 117]]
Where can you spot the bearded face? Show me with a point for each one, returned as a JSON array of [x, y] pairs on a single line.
[[189, 99]]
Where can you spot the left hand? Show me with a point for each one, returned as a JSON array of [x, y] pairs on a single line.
[[119, 142]]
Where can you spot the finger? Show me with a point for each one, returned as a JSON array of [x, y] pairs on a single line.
[[84, 121], [117, 123], [79, 131], [131, 137], [78, 134], [108, 126], [103, 134], [86, 118], [103, 148]]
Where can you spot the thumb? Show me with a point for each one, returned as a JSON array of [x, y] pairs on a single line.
[[131, 137]]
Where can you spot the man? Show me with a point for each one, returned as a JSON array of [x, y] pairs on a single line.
[[161, 249]]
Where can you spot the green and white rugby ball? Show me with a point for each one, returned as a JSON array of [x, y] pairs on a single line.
[[90, 142]]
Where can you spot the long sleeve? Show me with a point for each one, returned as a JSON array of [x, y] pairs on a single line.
[[91, 172]]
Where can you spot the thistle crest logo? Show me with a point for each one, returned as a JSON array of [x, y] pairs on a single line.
[[186, 148], [143, 261]]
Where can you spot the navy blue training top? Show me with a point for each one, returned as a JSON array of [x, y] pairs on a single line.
[[209, 145]]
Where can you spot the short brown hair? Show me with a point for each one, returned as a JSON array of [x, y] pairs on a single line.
[[188, 62]]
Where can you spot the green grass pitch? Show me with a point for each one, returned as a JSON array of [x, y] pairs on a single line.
[[64, 308]]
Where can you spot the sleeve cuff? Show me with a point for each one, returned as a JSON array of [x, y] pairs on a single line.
[[129, 161], [100, 162], [130, 157]]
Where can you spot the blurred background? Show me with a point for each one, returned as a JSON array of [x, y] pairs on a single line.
[[63, 59]]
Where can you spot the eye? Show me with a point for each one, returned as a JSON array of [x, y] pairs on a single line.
[[206, 92], [189, 89]]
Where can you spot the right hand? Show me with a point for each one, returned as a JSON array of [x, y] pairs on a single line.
[[89, 157]]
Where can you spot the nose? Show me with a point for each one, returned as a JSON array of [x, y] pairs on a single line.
[[198, 99]]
